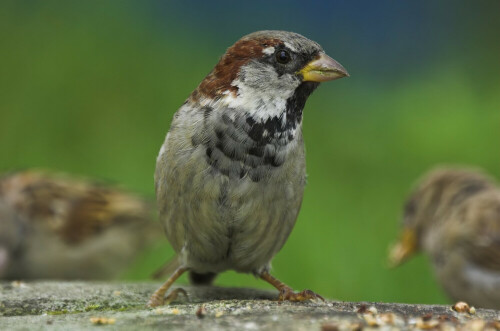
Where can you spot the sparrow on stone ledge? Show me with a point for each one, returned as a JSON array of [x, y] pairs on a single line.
[[454, 216], [231, 173], [61, 227]]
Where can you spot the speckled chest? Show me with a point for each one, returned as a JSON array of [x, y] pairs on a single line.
[[238, 145]]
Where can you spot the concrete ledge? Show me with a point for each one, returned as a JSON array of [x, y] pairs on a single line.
[[82, 305]]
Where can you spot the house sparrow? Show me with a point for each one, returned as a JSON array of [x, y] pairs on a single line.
[[454, 216], [54, 226], [231, 173]]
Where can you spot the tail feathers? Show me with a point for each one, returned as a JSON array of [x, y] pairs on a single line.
[[202, 279]]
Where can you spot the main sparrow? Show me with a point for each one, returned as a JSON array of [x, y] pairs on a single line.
[[56, 226], [231, 172], [454, 216]]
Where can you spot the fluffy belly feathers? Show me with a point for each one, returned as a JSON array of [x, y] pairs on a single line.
[[216, 223]]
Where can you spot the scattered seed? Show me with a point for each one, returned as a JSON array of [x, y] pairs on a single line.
[[387, 318], [495, 325], [219, 314], [372, 310], [427, 317], [362, 309], [475, 325], [201, 312], [447, 318], [159, 310], [329, 327], [18, 284], [357, 327], [461, 307], [426, 325], [102, 320], [370, 320]]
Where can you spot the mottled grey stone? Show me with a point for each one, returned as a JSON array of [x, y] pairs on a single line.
[[72, 305]]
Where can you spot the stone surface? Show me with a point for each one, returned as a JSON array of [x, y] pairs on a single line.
[[82, 305]]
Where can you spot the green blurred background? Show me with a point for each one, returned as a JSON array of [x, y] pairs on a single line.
[[90, 87]]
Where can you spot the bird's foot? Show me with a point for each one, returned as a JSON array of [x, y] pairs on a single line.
[[287, 294], [157, 300], [174, 295]]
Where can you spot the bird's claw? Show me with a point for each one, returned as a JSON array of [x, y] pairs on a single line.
[[174, 295], [157, 300], [287, 294]]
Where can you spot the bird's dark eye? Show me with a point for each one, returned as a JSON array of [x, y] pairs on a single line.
[[283, 57]]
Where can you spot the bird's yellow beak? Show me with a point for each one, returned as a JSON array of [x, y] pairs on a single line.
[[404, 248], [323, 69]]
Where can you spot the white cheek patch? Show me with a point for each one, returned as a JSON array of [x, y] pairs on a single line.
[[256, 103], [260, 91], [268, 50]]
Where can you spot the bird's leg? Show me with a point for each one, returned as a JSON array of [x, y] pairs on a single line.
[[287, 293], [157, 299]]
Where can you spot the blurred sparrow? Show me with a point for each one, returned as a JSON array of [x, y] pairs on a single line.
[[53, 226], [231, 172], [454, 216]]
